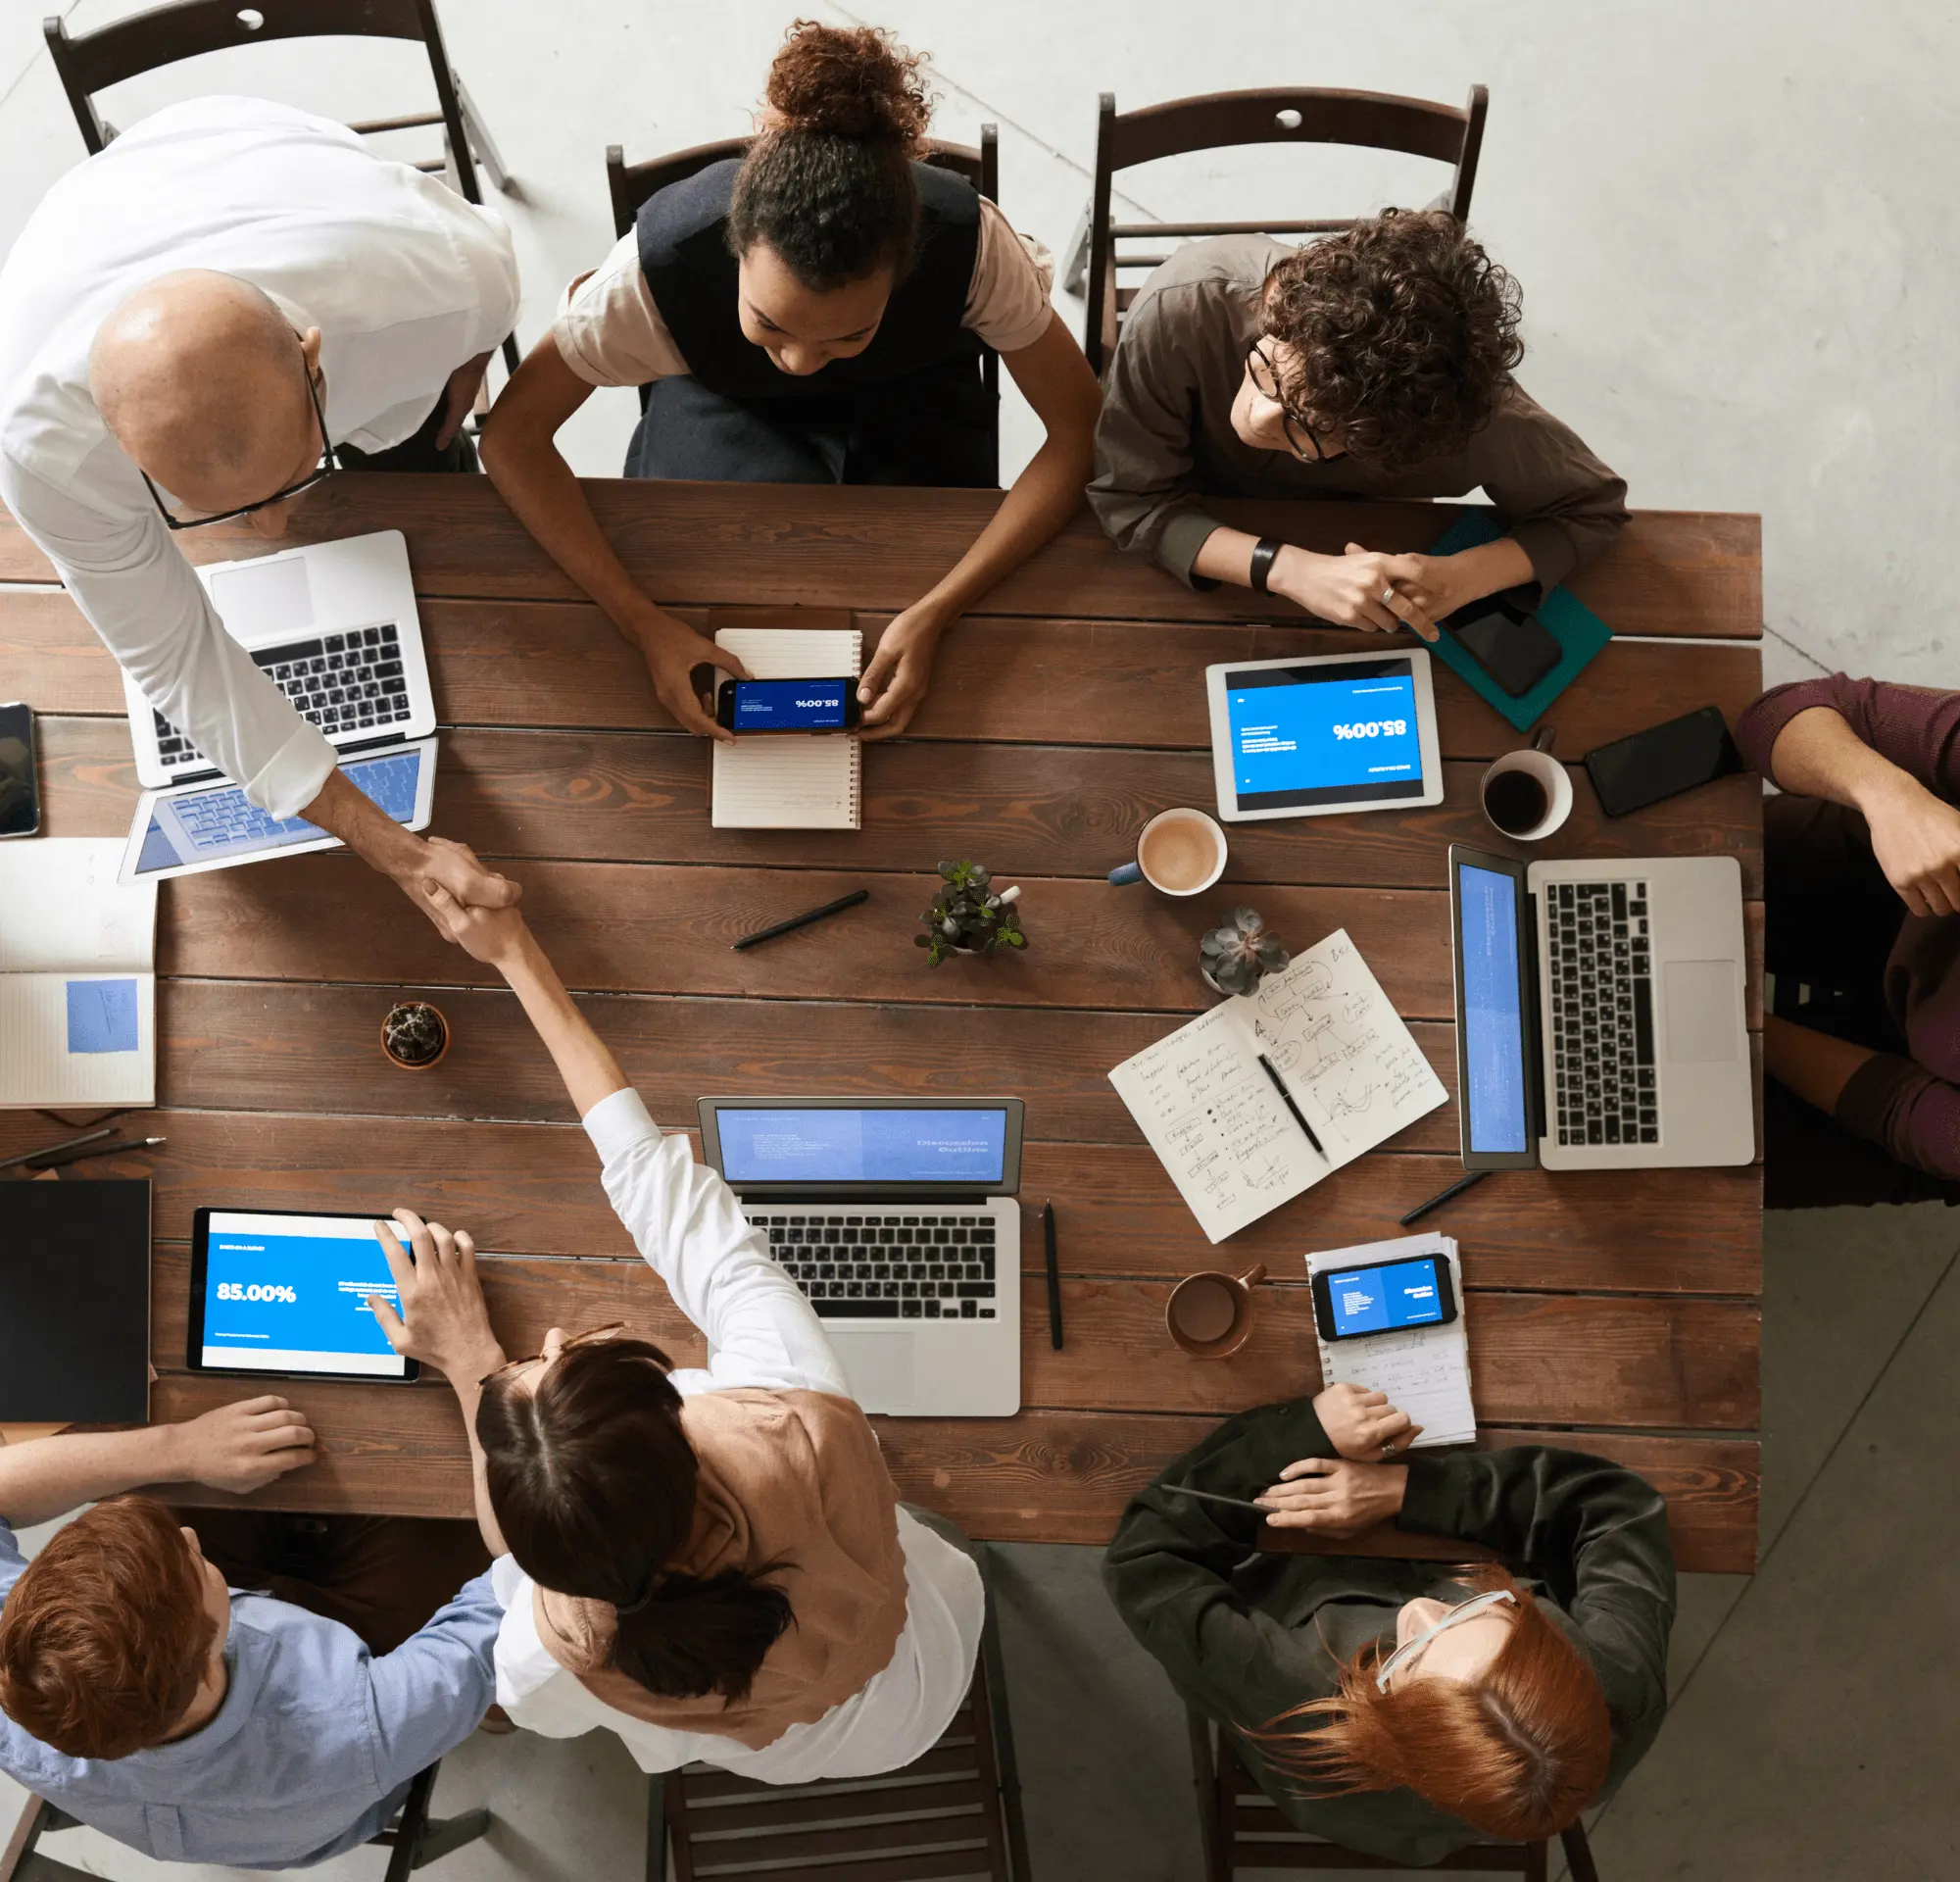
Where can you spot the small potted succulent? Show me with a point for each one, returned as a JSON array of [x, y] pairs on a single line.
[[967, 917], [1235, 957], [414, 1035]]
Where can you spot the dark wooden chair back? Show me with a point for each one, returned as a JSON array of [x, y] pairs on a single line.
[[630, 184], [91, 62], [1243, 1829], [1372, 119], [955, 1812], [414, 1839]]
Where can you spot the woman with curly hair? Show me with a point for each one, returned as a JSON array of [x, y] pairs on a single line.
[[815, 312], [1405, 1709], [1376, 363]]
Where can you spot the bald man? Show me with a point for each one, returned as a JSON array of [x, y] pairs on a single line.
[[186, 321]]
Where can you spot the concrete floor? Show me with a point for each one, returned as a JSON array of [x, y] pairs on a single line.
[[1736, 233]]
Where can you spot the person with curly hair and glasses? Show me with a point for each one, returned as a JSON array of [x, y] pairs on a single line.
[[1407, 1709], [1375, 362]]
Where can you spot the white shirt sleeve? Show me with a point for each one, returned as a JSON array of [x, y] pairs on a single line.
[[687, 1222], [150, 609]]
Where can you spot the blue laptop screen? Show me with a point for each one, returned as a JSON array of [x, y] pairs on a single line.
[[1493, 1031], [837, 1145]]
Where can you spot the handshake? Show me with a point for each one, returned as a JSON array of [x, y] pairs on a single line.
[[471, 904]]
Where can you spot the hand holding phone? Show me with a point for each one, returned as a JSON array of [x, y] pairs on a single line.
[[746, 706]]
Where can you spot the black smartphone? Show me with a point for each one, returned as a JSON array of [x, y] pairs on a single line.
[[1635, 771], [20, 780], [787, 706], [1510, 643], [1383, 1297]]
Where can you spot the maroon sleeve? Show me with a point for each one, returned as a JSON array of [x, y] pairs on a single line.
[[1916, 1116], [1917, 728]]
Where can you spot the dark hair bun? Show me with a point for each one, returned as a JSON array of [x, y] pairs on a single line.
[[852, 81]]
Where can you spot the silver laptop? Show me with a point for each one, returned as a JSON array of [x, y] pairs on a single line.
[[897, 1217], [333, 625], [1601, 1018]]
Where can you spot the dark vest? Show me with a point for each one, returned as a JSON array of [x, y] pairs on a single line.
[[683, 236]]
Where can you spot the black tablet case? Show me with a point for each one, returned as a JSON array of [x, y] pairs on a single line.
[[75, 1302]]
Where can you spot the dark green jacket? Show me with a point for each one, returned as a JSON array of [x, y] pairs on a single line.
[[1246, 1636]]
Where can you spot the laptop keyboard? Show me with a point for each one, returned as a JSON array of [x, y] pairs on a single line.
[[887, 1267], [1601, 997], [340, 683]]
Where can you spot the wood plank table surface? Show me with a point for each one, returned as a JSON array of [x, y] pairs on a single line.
[[1618, 1313]]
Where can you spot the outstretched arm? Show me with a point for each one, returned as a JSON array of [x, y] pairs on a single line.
[[521, 454], [240, 1448], [1057, 382]]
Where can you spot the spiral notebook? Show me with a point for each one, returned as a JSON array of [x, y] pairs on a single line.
[[813, 782]]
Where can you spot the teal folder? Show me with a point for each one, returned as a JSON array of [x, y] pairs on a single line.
[[1569, 621]]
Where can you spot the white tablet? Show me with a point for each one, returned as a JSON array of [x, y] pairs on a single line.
[[192, 827], [1315, 737]]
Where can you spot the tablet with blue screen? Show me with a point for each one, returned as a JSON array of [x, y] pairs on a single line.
[[285, 1294], [1319, 738], [192, 827]]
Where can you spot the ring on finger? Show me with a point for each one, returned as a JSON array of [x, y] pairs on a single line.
[[1387, 597]]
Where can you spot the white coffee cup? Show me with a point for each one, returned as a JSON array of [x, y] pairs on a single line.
[[1552, 798], [1170, 865]]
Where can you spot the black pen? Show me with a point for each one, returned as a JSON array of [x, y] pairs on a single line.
[[1300, 1117], [48, 1159], [1053, 1278], [67, 1143], [849, 901], [1212, 1495], [1442, 1196]]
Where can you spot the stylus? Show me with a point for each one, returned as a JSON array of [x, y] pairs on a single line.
[[1053, 1278], [1300, 1117], [849, 901], [1442, 1196], [1212, 1495], [67, 1143], [47, 1159]]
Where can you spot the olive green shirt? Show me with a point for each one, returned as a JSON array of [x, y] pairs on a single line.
[[1165, 442], [1246, 1636]]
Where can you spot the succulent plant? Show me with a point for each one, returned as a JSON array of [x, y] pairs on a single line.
[[414, 1035], [1237, 957], [967, 917]]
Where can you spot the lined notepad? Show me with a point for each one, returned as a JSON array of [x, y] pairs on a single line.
[[1423, 1371], [1225, 1134], [77, 997], [812, 782]]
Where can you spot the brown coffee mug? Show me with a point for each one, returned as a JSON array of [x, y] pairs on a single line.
[[1209, 1315]]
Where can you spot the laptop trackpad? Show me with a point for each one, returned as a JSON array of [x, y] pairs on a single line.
[[879, 1367], [1701, 1011]]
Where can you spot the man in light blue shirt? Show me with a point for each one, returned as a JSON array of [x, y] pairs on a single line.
[[193, 1722]]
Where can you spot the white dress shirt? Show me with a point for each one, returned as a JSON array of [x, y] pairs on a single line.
[[404, 279], [760, 1332]]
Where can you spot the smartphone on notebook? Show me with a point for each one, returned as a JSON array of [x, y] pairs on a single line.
[[1383, 1297], [745, 706], [1510, 643]]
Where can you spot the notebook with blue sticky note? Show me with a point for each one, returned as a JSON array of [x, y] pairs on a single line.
[[78, 994], [1579, 631]]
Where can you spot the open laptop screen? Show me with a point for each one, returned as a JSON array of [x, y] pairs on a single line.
[[886, 1145], [1487, 924]]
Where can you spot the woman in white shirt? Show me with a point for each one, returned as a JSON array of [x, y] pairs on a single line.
[[719, 1548], [814, 314]]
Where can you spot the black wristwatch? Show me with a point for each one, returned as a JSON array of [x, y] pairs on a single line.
[[1265, 552]]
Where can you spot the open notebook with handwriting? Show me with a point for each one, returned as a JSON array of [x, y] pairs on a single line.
[[804, 782], [1224, 1133]]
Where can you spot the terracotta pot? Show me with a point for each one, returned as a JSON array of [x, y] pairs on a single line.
[[426, 1065]]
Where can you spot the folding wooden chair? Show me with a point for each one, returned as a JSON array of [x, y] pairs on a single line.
[[1373, 119], [413, 1838], [630, 184], [123, 49], [953, 1813], [1243, 1829]]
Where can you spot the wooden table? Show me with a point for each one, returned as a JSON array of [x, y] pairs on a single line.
[[1613, 1312]]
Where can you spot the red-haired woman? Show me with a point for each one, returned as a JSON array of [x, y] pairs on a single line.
[[1407, 1709]]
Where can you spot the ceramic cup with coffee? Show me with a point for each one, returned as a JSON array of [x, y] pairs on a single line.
[[1527, 795], [1209, 1315], [1179, 852]]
